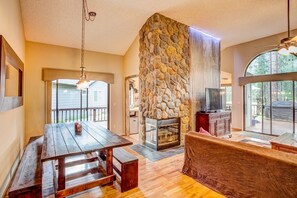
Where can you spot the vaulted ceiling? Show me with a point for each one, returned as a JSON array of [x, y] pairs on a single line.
[[58, 22]]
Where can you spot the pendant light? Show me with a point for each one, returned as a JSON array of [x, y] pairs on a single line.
[[288, 45], [83, 83]]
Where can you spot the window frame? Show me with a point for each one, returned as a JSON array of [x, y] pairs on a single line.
[[289, 76], [51, 74]]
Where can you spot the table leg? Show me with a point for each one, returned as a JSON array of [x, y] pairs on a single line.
[[109, 170], [61, 174], [102, 155]]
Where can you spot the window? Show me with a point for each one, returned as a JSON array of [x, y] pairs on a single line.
[[270, 105], [271, 63], [70, 104], [95, 96], [228, 91]]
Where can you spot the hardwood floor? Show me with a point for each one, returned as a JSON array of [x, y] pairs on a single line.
[[162, 178], [156, 179]]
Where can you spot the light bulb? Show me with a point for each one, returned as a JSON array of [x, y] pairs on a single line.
[[283, 51], [82, 84], [293, 49]]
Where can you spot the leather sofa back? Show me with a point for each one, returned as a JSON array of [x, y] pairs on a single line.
[[238, 169]]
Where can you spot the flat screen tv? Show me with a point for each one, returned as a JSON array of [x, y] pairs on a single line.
[[215, 99]]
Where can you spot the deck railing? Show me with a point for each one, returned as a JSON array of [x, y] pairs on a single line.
[[257, 109], [96, 114]]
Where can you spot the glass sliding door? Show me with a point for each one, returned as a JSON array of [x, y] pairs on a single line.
[[266, 108], [66, 101], [282, 107], [98, 103], [295, 106], [253, 107], [279, 94], [54, 102], [228, 91], [84, 105], [70, 104], [270, 107]]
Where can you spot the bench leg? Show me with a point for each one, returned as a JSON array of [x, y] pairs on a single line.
[[61, 174], [129, 176]]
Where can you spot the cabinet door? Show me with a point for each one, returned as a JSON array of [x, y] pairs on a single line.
[[202, 121], [134, 125]]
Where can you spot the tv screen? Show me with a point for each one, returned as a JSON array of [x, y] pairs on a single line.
[[214, 99]]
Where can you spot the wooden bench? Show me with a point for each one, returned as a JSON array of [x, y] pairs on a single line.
[[50, 174], [27, 181], [125, 166], [128, 170]]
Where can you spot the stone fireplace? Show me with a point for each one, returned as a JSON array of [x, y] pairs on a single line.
[[164, 72], [177, 63], [162, 134]]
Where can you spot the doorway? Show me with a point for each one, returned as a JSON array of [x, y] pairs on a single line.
[[132, 106], [270, 91], [271, 107]]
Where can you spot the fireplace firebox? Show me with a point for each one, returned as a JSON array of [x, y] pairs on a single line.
[[162, 134]]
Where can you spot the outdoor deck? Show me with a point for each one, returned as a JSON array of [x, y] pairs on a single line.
[[278, 127]]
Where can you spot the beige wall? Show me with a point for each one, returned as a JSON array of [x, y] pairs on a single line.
[[131, 68], [39, 56], [227, 61], [237, 58], [11, 26], [226, 78], [131, 59], [11, 122]]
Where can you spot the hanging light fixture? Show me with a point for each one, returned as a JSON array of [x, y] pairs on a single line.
[[288, 45], [83, 83]]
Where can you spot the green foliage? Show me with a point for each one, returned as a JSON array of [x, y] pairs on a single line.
[[272, 63]]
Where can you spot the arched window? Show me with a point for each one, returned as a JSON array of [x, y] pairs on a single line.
[[270, 94], [271, 63]]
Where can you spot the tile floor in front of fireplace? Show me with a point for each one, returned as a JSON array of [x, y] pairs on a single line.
[[237, 136], [154, 155]]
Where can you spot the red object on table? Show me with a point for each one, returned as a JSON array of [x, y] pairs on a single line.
[[78, 127]]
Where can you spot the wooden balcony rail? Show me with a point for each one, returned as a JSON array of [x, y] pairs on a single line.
[[96, 114], [257, 109]]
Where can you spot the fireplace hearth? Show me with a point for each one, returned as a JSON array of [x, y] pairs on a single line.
[[162, 134]]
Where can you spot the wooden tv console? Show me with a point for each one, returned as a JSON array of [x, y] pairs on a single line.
[[217, 124]]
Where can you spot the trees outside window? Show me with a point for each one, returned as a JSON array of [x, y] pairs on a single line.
[[270, 106]]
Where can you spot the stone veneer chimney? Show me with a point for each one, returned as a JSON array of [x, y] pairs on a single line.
[[164, 71]]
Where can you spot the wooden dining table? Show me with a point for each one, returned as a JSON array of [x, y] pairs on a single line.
[[61, 141]]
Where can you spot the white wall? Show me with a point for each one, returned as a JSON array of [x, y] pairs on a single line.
[[11, 122]]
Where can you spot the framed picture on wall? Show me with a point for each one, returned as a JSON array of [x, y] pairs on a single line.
[[11, 77]]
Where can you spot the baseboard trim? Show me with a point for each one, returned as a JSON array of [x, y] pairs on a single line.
[[5, 185], [9, 176], [236, 129]]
